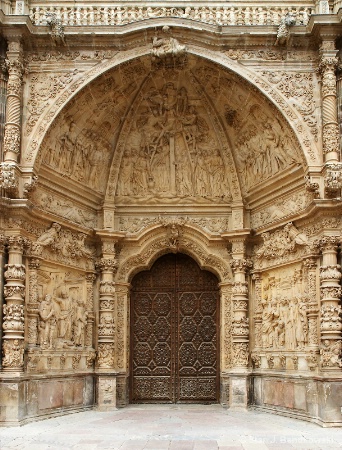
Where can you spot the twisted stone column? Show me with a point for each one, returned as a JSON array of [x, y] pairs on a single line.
[[13, 324], [15, 67], [33, 303], [327, 67], [3, 95], [330, 323], [339, 98]]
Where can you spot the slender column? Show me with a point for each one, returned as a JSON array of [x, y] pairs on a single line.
[[3, 91], [15, 67], [3, 241], [33, 303], [106, 328], [13, 324], [327, 67], [240, 330], [310, 264], [90, 279], [339, 97], [226, 339], [257, 344], [331, 325]]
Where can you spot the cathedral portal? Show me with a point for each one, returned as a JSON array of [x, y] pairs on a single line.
[[174, 333]]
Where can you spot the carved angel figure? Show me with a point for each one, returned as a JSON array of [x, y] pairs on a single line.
[[49, 236], [166, 46]]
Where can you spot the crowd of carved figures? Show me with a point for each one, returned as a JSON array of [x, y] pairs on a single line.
[[167, 152], [228, 15], [263, 148], [62, 319], [81, 154], [285, 323]]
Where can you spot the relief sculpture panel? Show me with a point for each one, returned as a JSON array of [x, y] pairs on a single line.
[[62, 310], [172, 150], [284, 310]]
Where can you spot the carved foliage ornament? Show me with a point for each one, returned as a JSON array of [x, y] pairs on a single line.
[[8, 177]]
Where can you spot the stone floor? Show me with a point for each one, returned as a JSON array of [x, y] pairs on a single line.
[[172, 427]]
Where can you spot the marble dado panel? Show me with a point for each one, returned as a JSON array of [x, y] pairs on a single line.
[[306, 398], [37, 398]]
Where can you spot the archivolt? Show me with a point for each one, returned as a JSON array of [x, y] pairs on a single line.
[[294, 120]]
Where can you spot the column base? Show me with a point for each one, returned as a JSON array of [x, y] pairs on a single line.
[[239, 391], [106, 393]]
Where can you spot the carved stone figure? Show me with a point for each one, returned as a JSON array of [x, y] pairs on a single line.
[[80, 323], [64, 314], [47, 323], [167, 152]]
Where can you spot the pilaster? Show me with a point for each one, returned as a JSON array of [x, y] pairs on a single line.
[[330, 313], [13, 321]]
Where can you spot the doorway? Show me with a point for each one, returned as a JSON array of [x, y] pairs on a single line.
[[174, 333]]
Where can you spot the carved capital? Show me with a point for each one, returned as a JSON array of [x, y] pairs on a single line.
[[34, 263], [15, 67], [328, 64], [331, 293], [107, 287], [240, 288], [328, 243], [330, 272], [14, 272], [16, 243], [241, 265], [107, 265], [8, 174], [90, 278], [310, 263]]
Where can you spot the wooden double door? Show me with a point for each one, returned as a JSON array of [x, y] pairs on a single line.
[[174, 333]]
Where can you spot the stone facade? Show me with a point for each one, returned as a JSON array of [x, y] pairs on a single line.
[[128, 132]]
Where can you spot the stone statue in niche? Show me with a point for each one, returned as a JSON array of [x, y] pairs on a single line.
[[284, 314], [171, 152], [81, 154]]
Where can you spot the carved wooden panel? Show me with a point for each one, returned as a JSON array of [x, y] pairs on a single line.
[[174, 333]]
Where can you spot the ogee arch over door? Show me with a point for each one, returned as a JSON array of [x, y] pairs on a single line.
[[174, 333]]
